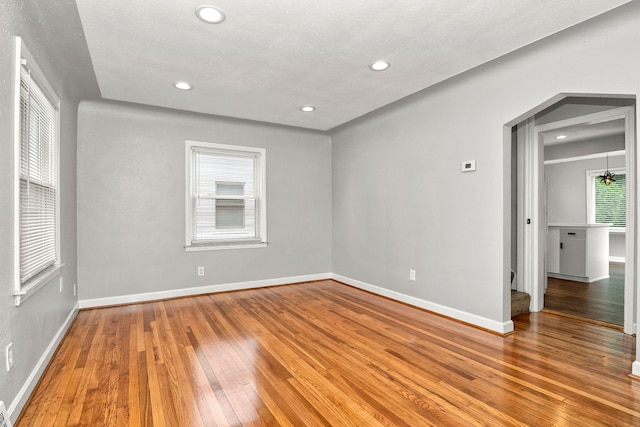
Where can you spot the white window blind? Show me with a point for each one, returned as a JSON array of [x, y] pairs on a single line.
[[226, 204], [38, 179], [611, 201]]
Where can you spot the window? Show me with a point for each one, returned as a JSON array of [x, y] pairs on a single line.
[[608, 203], [226, 204], [37, 176], [230, 212]]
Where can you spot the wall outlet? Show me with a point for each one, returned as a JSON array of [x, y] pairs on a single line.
[[75, 289], [412, 274], [200, 271], [9, 356], [61, 284]]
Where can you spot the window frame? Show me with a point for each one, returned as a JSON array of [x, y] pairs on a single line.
[[22, 56], [592, 175], [260, 197]]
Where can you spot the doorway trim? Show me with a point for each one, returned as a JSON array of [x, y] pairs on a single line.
[[534, 260]]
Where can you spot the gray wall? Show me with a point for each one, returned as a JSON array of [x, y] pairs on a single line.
[[131, 202], [399, 198], [617, 245], [390, 182], [567, 188], [33, 325]]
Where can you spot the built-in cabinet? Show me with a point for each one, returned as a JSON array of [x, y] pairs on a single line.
[[578, 252]]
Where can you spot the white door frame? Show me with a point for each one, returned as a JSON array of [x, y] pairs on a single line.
[[531, 224], [533, 252]]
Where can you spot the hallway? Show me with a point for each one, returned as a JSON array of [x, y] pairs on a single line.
[[601, 301]]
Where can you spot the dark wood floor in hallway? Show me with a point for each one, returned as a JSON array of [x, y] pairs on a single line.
[[326, 354], [602, 301]]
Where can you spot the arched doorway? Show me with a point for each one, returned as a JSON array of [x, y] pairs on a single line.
[[529, 210]]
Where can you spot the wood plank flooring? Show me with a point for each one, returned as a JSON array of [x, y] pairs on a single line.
[[602, 301], [326, 354]]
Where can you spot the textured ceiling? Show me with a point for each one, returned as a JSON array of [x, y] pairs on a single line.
[[269, 58]]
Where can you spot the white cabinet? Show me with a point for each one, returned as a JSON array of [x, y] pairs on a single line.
[[573, 252], [578, 252]]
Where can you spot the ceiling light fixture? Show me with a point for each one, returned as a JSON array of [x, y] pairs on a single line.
[[607, 177], [182, 85], [308, 108], [210, 14], [561, 136], [379, 65]]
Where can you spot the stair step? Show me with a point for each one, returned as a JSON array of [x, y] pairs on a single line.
[[519, 303]]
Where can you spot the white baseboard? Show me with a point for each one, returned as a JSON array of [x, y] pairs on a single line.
[[473, 319], [483, 322], [29, 385], [198, 290]]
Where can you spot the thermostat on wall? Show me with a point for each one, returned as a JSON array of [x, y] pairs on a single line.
[[469, 166]]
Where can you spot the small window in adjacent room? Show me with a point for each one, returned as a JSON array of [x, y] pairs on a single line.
[[608, 203], [226, 203], [36, 139]]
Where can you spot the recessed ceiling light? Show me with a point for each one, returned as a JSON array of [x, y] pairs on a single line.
[[379, 65], [308, 108], [210, 14], [561, 136], [182, 85]]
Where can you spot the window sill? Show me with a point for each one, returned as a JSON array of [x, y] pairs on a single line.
[[617, 231], [36, 284], [219, 247]]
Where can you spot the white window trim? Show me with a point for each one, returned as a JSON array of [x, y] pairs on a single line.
[[24, 291], [591, 197], [261, 197]]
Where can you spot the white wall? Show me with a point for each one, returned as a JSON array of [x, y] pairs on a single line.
[[131, 202], [34, 326], [399, 198]]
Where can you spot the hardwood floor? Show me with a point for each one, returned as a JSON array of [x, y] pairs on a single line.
[[602, 301], [323, 353]]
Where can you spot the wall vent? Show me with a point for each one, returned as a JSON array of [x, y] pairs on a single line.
[[4, 418]]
